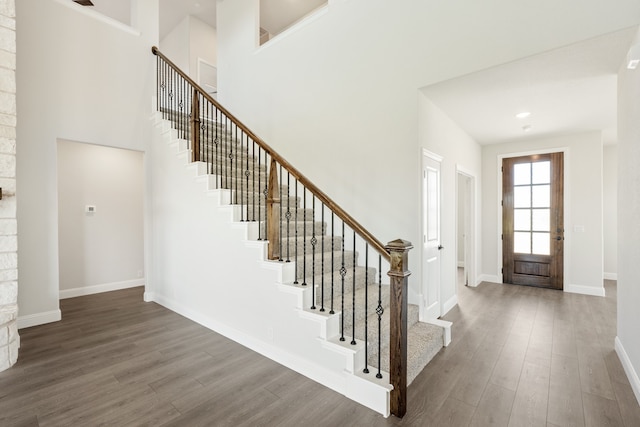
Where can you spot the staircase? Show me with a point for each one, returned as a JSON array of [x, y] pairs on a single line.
[[335, 274]]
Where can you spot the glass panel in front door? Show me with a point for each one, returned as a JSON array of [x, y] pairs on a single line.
[[531, 208]]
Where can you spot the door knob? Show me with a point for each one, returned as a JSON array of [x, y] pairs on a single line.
[[440, 247]]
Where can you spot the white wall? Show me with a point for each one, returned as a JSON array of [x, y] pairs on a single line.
[[610, 210], [79, 78], [190, 40], [174, 44], [628, 340], [441, 135], [103, 250], [202, 44], [583, 251], [338, 93]]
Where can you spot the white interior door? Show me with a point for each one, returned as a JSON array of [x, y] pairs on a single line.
[[431, 236]]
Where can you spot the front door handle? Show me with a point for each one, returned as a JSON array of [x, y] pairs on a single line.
[[440, 247]]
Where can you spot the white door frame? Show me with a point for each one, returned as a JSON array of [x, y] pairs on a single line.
[[470, 227]]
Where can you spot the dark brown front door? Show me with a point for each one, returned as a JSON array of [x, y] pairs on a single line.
[[532, 220]]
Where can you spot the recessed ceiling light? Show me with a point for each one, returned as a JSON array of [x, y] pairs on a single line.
[[633, 64], [526, 128], [523, 115]]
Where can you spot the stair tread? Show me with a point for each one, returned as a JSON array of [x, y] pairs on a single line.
[[424, 341]]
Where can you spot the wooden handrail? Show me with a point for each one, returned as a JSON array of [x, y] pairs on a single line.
[[341, 213]]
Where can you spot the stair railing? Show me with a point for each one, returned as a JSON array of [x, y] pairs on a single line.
[[271, 192]]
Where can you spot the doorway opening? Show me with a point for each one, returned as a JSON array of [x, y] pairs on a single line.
[[100, 218], [465, 228]]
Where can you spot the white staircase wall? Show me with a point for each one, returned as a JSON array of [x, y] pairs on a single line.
[[203, 267]]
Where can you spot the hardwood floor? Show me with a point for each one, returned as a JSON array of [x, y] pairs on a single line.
[[520, 356]]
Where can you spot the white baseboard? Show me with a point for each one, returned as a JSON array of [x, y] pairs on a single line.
[[585, 290], [489, 278], [39, 318], [98, 289], [628, 368], [449, 304], [610, 276]]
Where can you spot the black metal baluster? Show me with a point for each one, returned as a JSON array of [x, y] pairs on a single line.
[[229, 152], [280, 217], [161, 86], [216, 145], [206, 126], [314, 241], [204, 142], [366, 307], [353, 294], [157, 83], [242, 199], [233, 159], [295, 282], [211, 114], [238, 158], [343, 272], [322, 260], [172, 118], [304, 240], [332, 259], [265, 194], [178, 109], [225, 152], [247, 172], [181, 107], [260, 190], [253, 180], [160, 83], [379, 312], [288, 215]]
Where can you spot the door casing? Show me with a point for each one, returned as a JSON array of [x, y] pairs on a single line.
[[535, 269], [567, 196]]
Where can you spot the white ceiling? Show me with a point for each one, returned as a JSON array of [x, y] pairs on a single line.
[[567, 90]]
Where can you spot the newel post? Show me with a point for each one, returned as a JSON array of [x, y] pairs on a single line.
[[195, 127], [398, 274], [273, 212]]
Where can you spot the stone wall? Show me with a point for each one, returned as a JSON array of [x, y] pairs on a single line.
[[9, 340]]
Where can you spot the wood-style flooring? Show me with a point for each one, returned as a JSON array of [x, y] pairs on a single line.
[[520, 357]]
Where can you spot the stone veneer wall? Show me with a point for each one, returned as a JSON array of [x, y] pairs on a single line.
[[9, 339]]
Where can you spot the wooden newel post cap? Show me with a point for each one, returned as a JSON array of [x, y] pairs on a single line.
[[399, 251]]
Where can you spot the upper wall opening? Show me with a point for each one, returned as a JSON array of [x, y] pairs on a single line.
[[277, 16]]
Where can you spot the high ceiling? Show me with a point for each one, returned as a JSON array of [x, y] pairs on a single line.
[[567, 90]]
